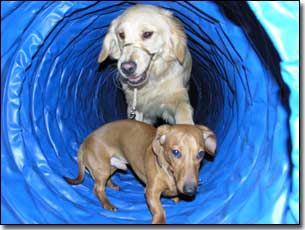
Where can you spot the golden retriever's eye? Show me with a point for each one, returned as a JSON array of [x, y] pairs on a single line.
[[122, 35], [147, 34]]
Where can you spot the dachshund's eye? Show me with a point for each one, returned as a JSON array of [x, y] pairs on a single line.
[[147, 34], [200, 155], [176, 153], [122, 35]]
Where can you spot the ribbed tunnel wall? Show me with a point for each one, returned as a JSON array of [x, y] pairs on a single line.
[[53, 94]]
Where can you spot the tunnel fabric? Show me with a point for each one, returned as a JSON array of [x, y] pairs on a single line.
[[53, 94], [287, 43]]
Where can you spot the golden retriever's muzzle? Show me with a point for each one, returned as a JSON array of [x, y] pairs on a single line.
[[128, 69]]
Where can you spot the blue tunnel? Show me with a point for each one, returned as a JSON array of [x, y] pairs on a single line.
[[244, 86]]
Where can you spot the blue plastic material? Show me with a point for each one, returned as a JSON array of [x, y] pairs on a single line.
[[53, 94], [284, 32]]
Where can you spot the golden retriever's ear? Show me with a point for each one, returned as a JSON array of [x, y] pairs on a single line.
[[178, 39], [209, 139], [110, 44], [160, 139]]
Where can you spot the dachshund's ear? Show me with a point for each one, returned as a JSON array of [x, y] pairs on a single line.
[[209, 139], [110, 45], [160, 138]]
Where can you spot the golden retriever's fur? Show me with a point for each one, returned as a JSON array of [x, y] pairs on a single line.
[[163, 62]]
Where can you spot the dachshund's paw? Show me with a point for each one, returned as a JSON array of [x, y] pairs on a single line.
[[110, 207]]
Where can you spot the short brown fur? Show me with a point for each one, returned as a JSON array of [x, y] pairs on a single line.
[[149, 153]]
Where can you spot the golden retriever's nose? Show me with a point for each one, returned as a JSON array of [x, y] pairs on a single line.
[[128, 67], [189, 189]]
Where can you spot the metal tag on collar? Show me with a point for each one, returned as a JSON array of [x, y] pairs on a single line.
[[132, 113]]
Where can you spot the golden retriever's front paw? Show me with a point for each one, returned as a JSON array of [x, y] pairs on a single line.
[[176, 200]]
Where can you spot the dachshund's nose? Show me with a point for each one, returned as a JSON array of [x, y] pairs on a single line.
[[189, 189], [128, 67]]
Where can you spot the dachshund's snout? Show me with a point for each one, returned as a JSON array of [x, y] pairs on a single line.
[[189, 189]]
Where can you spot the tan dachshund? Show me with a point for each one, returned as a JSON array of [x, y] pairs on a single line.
[[166, 159]]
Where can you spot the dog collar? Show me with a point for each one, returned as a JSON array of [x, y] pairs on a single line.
[[163, 167], [166, 171], [132, 113]]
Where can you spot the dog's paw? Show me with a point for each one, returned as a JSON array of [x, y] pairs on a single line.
[[113, 185], [116, 187], [176, 200], [158, 219], [110, 207]]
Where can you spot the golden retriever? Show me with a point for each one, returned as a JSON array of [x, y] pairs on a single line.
[[150, 46]]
